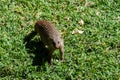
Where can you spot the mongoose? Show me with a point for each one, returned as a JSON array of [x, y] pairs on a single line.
[[50, 37]]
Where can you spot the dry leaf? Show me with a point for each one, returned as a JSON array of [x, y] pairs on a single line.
[[76, 31], [97, 13], [89, 4], [81, 22]]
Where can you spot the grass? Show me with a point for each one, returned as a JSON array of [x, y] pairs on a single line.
[[95, 54]]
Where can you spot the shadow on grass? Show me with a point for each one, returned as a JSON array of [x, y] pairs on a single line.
[[37, 48]]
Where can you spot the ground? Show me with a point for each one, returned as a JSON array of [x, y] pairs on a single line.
[[91, 32]]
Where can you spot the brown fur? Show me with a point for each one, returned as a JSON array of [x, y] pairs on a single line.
[[50, 37]]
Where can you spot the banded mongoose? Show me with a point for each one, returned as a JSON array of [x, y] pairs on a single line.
[[50, 37]]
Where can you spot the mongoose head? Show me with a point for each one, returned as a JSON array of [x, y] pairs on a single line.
[[57, 42]]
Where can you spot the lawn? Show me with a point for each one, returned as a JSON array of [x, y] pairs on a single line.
[[91, 32]]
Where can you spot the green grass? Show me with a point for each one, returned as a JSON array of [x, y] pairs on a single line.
[[95, 54]]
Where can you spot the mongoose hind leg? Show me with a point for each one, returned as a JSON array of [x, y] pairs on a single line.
[[50, 56]]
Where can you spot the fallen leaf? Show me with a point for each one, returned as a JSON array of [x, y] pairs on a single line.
[[89, 4], [76, 31], [97, 13], [81, 22]]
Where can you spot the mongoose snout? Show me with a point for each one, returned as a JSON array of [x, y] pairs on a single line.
[[50, 36]]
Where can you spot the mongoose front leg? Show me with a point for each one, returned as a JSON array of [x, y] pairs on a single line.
[[61, 49]]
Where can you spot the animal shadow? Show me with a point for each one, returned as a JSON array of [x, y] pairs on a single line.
[[38, 49]]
